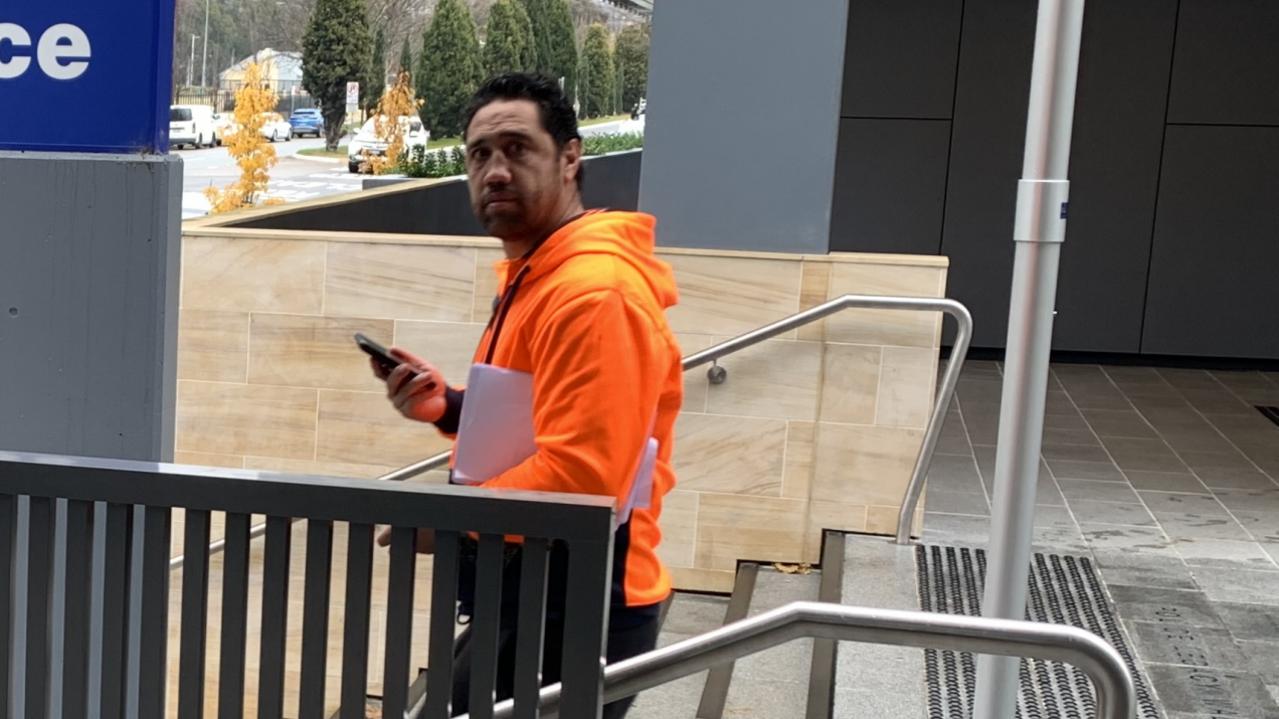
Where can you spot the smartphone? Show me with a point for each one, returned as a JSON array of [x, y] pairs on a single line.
[[377, 352]]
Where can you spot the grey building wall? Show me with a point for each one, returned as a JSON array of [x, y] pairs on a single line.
[[1170, 247], [743, 110], [88, 303]]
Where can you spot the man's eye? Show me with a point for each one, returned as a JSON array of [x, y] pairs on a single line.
[[515, 149]]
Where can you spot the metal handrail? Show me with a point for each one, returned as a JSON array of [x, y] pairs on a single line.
[[398, 475], [1112, 682], [950, 381], [712, 354], [932, 432]]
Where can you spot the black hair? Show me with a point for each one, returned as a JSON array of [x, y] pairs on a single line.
[[553, 108]]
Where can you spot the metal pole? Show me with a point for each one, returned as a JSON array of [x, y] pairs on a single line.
[[1039, 230], [191, 62], [204, 62]]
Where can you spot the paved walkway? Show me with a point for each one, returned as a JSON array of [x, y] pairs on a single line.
[[1169, 479]]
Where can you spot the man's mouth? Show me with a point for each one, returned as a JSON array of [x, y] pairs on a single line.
[[499, 199]]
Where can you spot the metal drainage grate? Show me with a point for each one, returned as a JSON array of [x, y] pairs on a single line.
[[1063, 590], [1271, 412]]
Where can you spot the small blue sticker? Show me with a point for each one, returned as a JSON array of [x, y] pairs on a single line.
[[1064, 205]]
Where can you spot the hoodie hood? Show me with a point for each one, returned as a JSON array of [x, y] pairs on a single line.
[[628, 236]]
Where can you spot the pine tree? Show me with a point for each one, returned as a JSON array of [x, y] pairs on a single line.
[[631, 58], [596, 80], [449, 68], [505, 44], [406, 57], [335, 50], [376, 86], [529, 62], [554, 40], [539, 22]]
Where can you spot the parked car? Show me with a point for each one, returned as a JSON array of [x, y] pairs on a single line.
[[223, 126], [275, 127], [191, 125], [307, 122], [366, 139]]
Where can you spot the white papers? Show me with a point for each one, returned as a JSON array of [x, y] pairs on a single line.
[[641, 496], [495, 433]]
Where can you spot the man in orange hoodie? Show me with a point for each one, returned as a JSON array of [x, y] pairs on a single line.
[[582, 309]]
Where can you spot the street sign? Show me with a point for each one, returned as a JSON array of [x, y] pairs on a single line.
[[352, 96], [86, 75]]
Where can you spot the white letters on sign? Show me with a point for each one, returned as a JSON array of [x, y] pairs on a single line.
[[63, 51]]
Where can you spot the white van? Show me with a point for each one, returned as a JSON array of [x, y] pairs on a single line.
[[191, 125]]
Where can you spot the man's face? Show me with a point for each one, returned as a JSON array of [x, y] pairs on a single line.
[[518, 177]]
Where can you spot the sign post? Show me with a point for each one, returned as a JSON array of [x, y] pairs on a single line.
[[352, 97], [89, 226]]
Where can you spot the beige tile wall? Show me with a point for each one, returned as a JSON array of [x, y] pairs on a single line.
[[818, 428]]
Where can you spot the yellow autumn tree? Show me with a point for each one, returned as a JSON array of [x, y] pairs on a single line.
[[252, 152], [397, 102]]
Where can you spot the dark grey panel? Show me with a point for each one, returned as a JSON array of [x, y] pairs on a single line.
[[1114, 173], [1226, 68], [743, 109], [445, 208], [985, 160], [900, 58], [88, 303], [1213, 288], [890, 186]]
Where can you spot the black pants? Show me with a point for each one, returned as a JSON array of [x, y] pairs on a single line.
[[631, 632]]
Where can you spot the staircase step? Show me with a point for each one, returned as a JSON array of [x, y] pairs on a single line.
[[773, 684], [688, 616], [875, 681]]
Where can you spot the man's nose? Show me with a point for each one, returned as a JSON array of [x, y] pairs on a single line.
[[499, 172]]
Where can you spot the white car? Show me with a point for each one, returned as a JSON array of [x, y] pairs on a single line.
[[223, 126], [415, 134], [275, 127], [192, 125]]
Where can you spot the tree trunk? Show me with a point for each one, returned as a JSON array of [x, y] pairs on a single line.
[[333, 129]]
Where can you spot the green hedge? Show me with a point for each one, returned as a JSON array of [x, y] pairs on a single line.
[[450, 162]]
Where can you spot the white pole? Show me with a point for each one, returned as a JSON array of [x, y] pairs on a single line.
[[1039, 230], [204, 62], [191, 62]]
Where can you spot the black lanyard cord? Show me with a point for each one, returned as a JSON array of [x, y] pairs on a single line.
[[499, 312], [504, 303]]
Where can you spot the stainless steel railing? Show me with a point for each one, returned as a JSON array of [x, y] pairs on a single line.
[[718, 374], [399, 475], [1111, 679], [932, 432]]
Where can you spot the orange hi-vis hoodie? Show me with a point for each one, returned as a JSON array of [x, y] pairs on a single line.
[[584, 313]]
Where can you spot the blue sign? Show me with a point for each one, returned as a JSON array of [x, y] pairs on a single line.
[[85, 75]]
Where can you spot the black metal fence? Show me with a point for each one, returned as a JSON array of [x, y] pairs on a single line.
[[85, 584], [223, 99]]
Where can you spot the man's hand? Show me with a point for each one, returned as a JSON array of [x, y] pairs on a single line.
[[425, 540], [416, 387]]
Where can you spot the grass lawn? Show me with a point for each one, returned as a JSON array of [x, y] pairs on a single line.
[[602, 120], [321, 152]]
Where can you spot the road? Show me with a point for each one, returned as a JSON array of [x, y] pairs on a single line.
[[293, 179], [296, 178]]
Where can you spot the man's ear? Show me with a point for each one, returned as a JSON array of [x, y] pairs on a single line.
[[572, 155]]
